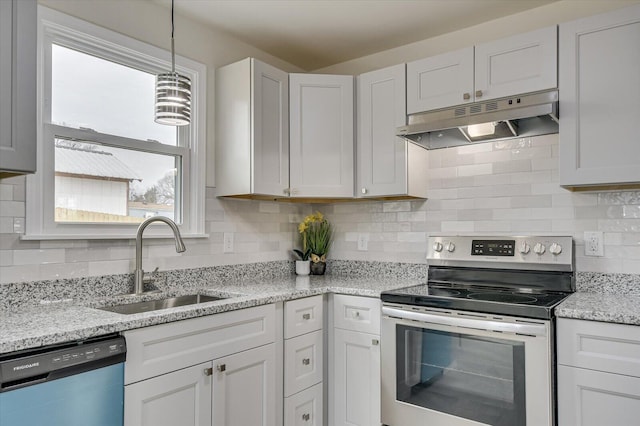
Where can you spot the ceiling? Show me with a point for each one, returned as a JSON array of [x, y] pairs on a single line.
[[313, 34]]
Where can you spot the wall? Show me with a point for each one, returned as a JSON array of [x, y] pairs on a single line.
[[508, 187], [551, 14]]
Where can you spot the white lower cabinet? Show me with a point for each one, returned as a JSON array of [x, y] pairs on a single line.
[[244, 388], [304, 408], [217, 370], [356, 378], [598, 373], [355, 362], [179, 398]]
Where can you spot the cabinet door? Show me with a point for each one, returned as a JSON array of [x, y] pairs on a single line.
[[356, 398], [244, 388], [270, 90], [599, 99], [179, 398], [440, 81], [18, 86], [593, 398], [321, 135], [382, 156], [514, 65]]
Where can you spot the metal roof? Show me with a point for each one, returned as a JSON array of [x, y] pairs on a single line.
[[78, 161]]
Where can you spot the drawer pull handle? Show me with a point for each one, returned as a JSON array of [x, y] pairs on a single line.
[[306, 417], [466, 96], [478, 93], [306, 361], [208, 371], [222, 368], [356, 315], [375, 342], [306, 316]]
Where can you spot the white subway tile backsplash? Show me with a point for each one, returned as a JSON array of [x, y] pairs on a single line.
[[30, 257], [6, 192], [475, 170]]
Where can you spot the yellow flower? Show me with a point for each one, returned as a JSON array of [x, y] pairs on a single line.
[[302, 227], [319, 217]]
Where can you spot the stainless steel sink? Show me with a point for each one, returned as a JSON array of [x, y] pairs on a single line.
[[155, 305]]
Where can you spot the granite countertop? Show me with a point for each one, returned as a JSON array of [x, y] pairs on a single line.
[[46, 324], [614, 308]]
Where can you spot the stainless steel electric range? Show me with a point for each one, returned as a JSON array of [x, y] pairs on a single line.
[[475, 345]]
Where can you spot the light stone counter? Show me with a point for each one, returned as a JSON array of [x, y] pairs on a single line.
[[616, 308], [35, 326]]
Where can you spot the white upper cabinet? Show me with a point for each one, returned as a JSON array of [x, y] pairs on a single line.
[[519, 64], [252, 132], [384, 165], [321, 135], [522, 63], [600, 99], [440, 81], [18, 86]]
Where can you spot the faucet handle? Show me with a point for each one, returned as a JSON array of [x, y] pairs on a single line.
[[148, 278]]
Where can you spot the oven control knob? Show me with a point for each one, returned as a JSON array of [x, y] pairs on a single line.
[[525, 248], [451, 247], [555, 249], [539, 249], [437, 246]]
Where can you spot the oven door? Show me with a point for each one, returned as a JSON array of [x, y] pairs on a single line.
[[444, 368]]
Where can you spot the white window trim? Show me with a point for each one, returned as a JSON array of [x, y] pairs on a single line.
[[70, 32]]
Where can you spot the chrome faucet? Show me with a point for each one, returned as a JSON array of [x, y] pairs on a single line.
[[139, 277]]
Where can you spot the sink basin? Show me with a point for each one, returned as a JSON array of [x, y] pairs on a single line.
[[155, 305]]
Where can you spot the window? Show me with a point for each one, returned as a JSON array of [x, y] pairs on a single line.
[[104, 165]]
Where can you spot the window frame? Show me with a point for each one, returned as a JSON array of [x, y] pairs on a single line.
[[70, 32]]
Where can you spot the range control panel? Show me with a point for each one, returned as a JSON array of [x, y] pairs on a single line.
[[552, 253], [492, 248]]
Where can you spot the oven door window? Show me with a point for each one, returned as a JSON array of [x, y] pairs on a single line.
[[477, 378]]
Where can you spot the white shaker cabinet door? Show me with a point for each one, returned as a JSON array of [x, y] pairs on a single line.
[[519, 64], [321, 135], [440, 81], [18, 86], [244, 388], [356, 399], [179, 398], [600, 99], [593, 398]]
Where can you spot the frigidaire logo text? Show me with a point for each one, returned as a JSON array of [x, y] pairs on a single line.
[[25, 366]]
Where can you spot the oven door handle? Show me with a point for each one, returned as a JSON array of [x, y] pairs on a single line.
[[488, 325]]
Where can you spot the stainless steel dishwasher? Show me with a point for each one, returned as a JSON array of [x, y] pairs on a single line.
[[79, 383]]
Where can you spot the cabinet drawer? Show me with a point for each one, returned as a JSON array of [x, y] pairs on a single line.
[[304, 408], [302, 316], [593, 398], [302, 362], [163, 348], [357, 313], [599, 346]]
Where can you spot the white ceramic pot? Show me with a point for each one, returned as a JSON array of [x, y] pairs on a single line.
[[303, 267]]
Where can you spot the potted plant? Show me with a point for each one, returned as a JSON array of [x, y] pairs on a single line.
[[316, 234], [303, 265]]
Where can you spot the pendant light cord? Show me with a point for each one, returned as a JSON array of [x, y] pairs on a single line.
[[173, 51]]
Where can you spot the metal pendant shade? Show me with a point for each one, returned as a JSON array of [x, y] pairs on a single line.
[[173, 93]]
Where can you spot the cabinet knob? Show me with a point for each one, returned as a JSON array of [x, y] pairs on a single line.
[[466, 96], [356, 314], [306, 361], [221, 367], [306, 316], [478, 93], [208, 371], [375, 342], [364, 190], [306, 417]]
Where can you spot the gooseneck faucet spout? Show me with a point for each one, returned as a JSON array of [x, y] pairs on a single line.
[[139, 278]]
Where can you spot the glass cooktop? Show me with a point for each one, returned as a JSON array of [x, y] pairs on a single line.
[[522, 302]]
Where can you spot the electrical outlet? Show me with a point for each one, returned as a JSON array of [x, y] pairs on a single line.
[[227, 244], [593, 243], [363, 242]]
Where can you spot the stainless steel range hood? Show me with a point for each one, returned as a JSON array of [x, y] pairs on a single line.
[[526, 115]]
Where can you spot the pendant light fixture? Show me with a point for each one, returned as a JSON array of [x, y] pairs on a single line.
[[173, 93]]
